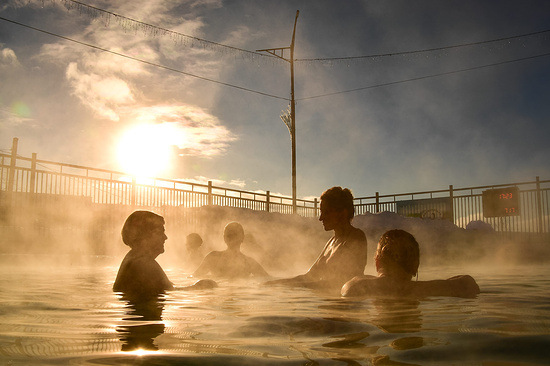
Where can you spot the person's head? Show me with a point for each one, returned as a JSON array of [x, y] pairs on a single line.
[[233, 234], [336, 207], [194, 241], [144, 231], [397, 255]]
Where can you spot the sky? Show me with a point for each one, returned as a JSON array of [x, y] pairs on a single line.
[[391, 96]]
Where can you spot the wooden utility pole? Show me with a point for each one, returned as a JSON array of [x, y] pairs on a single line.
[[290, 122]]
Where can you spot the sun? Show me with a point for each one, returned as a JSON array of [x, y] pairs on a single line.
[[145, 150]]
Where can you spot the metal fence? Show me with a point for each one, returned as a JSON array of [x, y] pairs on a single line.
[[31, 175], [458, 205], [464, 205]]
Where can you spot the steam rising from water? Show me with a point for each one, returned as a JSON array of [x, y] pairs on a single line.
[[61, 233]]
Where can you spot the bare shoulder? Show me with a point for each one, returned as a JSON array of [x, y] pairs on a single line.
[[358, 235], [213, 256], [361, 286]]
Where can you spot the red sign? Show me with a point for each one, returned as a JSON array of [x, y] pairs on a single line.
[[501, 202]]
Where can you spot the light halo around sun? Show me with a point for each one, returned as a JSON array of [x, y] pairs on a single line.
[[145, 150]]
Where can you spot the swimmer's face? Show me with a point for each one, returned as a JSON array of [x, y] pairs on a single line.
[[329, 216], [155, 240]]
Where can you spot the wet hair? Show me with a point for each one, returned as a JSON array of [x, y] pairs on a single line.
[[401, 248], [138, 224], [339, 198], [194, 239]]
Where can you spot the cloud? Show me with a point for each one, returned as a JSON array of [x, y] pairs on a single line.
[[8, 59], [103, 94], [189, 128]]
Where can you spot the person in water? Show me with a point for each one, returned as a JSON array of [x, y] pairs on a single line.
[[230, 263], [397, 260], [344, 255], [140, 276], [193, 254]]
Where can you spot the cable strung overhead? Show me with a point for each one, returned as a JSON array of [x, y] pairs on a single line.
[[423, 77], [144, 61], [154, 31], [129, 24], [332, 59]]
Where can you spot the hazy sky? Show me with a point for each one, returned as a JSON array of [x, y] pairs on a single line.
[[201, 111]]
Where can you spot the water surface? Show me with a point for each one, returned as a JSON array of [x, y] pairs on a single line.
[[67, 314]]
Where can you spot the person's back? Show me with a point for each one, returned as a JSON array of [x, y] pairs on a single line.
[[230, 263], [227, 264], [141, 276], [397, 260]]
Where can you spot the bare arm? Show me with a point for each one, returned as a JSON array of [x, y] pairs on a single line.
[[457, 286], [299, 280]]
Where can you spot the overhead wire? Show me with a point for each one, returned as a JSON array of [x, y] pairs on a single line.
[[145, 61], [423, 77], [154, 29], [424, 50], [332, 59]]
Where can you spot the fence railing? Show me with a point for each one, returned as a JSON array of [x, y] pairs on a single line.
[[458, 205], [31, 175], [464, 205]]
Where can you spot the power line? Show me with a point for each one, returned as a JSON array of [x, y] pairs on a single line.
[[421, 51], [146, 62], [95, 12], [166, 31], [423, 77], [156, 30]]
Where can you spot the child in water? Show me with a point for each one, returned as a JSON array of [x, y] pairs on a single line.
[[230, 263], [397, 260], [140, 276]]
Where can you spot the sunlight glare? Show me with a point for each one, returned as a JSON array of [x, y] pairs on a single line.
[[142, 352], [145, 150]]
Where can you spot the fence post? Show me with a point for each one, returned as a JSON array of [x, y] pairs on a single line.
[[451, 196], [133, 193], [11, 176], [267, 197], [209, 193], [315, 206], [33, 173], [377, 206], [539, 207]]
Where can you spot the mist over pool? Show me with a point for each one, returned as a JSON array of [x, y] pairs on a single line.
[[58, 306]]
